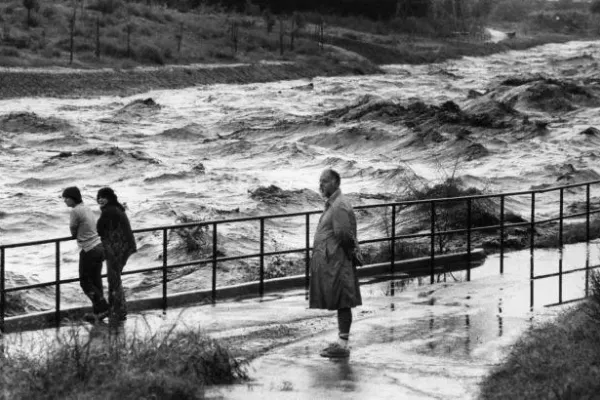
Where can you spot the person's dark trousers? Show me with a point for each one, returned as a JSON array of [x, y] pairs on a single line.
[[90, 277], [116, 295], [344, 316]]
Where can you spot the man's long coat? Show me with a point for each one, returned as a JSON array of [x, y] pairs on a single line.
[[333, 280]]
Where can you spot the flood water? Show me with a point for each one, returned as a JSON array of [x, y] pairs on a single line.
[[209, 152]]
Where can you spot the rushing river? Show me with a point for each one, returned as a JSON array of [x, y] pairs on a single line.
[[506, 122]]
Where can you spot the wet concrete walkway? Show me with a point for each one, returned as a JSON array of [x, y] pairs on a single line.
[[425, 342]]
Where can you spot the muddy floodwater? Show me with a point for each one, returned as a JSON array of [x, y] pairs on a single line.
[[511, 121]]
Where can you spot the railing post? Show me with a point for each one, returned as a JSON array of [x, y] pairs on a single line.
[[432, 250], [587, 213], [560, 246], [261, 283], [502, 234], [164, 270], [57, 258], [2, 288], [214, 264], [469, 210], [587, 240], [531, 251], [393, 249], [307, 254]]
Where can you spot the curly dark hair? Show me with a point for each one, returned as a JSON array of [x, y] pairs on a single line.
[[109, 195]]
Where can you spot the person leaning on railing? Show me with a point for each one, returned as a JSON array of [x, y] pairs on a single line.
[[83, 228], [119, 243]]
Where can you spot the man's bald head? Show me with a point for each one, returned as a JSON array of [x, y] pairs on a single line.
[[329, 182]]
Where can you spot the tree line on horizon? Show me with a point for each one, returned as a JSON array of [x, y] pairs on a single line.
[[374, 9]]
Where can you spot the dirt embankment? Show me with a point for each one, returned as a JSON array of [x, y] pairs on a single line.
[[25, 83]]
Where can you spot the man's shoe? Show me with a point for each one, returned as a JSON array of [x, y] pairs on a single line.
[[117, 318], [334, 350]]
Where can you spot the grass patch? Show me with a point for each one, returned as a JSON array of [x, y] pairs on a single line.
[[556, 360], [170, 365]]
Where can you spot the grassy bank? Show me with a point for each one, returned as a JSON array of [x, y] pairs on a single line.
[[556, 360], [110, 40], [72, 84], [172, 365]]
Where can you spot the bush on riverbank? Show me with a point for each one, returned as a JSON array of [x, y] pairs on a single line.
[[554, 360], [172, 365]]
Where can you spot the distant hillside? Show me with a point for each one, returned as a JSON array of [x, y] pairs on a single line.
[[124, 34]]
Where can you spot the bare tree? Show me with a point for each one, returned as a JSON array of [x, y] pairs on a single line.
[[234, 34], [72, 32], [30, 5]]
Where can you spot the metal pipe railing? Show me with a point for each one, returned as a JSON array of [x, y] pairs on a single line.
[[261, 284], [469, 210], [164, 268], [433, 234], [432, 244], [214, 263], [531, 251], [307, 255], [393, 249], [2, 290], [57, 306], [502, 234], [560, 245]]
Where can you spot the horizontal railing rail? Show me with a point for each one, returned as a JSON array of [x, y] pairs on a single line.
[[434, 232]]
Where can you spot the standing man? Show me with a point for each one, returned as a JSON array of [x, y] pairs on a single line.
[[333, 280], [83, 228]]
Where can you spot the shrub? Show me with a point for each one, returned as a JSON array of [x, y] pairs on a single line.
[[145, 30], [50, 52], [221, 53], [84, 46], [112, 49], [414, 25], [595, 7], [310, 48], [48, 11], [20, 42], [9, 52], [10, 9], [114, 32], [150, 53], [106, 6], [167, 365], [559, 21], [512, 10], [152, 15], [281, 267], [196, 239]]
